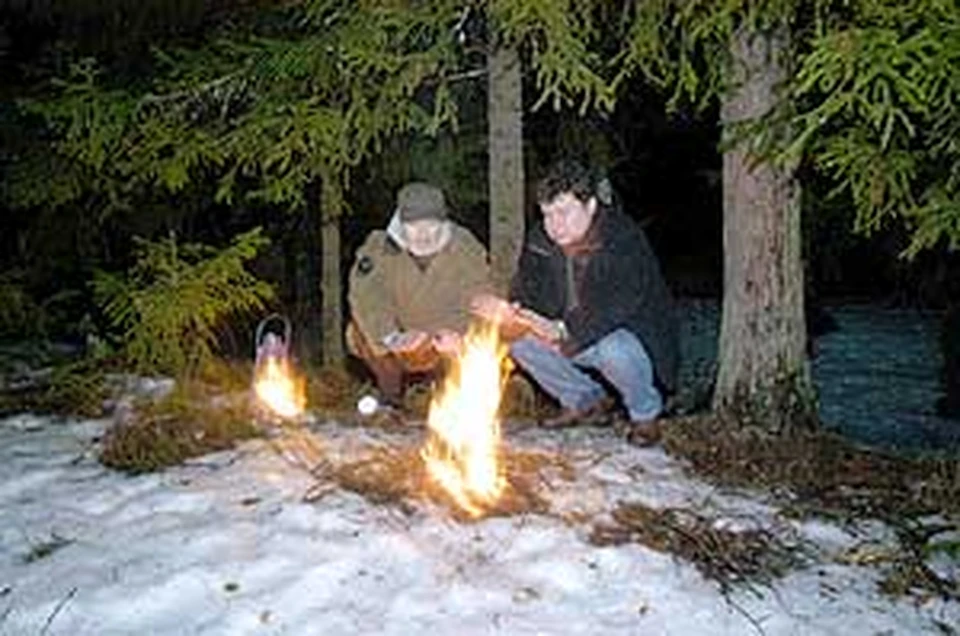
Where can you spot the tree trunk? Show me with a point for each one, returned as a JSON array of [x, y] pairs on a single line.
[[763, 376], [302, 253], [505, 168], [332, 313]]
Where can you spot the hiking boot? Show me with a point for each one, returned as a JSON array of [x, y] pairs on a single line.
[[644, 433], [596, 415]]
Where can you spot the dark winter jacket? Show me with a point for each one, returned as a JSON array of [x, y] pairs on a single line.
[[613, 282]]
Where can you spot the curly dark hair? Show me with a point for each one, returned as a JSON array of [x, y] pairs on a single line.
[[567, 175]]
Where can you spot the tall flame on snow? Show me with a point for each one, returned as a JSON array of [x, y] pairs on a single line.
[[462, 453]]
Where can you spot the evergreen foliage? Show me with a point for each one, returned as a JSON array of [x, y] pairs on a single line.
[[77, 387], [563, 42], [262, 108], [872, 104], [171, 301], [307, 90], [880, 89]]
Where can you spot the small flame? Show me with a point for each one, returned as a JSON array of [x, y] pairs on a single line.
[[462, 453], [279, 389]]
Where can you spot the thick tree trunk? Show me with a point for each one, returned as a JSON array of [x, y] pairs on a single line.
[[505, 171], [331, 281], [763, 376]]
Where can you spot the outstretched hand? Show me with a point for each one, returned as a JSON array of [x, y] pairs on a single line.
[[407, 341], [493, 308], [516, 320], [447, 342]]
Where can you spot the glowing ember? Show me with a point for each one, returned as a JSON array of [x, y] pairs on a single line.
[[462, 451], [278, 389]]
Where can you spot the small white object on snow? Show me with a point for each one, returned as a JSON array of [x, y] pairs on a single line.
[[367, 405]]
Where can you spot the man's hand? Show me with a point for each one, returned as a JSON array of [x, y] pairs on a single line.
[[406, 341], [551, 332], [516, 320], [493, 308], [447, 342]]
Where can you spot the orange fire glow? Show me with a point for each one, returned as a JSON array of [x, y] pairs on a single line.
[[278, 388], [462, 453]]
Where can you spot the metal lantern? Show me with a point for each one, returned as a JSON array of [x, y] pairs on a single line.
[[271, 344]]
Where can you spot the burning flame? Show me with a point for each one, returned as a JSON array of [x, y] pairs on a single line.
[[463, 448], [279, 389]]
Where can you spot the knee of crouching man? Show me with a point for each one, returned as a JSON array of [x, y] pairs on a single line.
[[619, 343]]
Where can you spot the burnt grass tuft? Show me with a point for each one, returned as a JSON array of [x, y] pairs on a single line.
[[727, 556], [189, 422], [821, 471], [815, 473], [77, 388], [397, 477]]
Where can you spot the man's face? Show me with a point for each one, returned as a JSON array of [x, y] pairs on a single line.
[[567, 219], [424, 237]]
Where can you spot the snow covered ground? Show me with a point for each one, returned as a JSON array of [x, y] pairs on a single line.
[[877, 374], [227, 545]]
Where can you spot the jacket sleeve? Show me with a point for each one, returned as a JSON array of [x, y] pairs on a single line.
[[620, 292], [372, 302], [474, 268], [523, 287]]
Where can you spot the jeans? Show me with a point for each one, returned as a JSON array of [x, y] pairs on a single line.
[[620, 358]]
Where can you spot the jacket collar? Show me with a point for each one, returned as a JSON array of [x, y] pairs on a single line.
[[396, 234]]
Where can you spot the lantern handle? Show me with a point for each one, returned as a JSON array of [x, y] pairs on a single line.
[[287, 330]]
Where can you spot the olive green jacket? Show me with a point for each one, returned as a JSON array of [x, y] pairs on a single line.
[[390, 291]]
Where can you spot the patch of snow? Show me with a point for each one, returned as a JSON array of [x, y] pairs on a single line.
[[877, 375], [226, 545], [25, 422]]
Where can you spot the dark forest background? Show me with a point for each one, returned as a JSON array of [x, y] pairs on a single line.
[[666, 167]]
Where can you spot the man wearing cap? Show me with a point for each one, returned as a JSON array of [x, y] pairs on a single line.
[[411, 286]]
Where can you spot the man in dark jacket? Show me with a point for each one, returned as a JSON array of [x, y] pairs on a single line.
[[590, 270]]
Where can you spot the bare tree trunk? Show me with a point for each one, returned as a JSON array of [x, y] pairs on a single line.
[[331, 277], [763, 376], [302, 252], [505, 171]]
